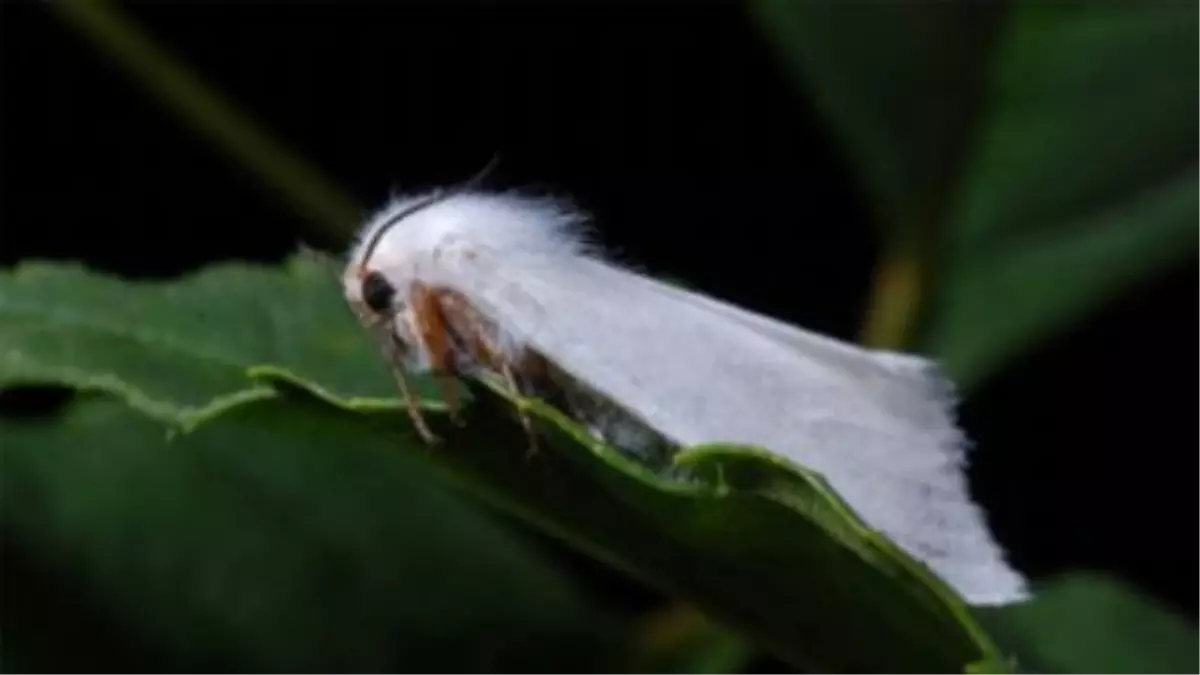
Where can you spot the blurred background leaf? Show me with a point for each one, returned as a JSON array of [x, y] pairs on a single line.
[[277, 539], [900, 84], [1089, 623], [1073, 195], [1017, 189]]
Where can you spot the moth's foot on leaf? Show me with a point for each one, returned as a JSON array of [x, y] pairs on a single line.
[[432, 440], [522, 412], [421, 427], [454, 413], [531, 450]]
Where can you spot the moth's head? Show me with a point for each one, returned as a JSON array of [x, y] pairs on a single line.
[[380, 257], [378, 260]]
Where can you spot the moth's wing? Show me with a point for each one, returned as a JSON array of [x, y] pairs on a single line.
[[890, 377], [697, 372]]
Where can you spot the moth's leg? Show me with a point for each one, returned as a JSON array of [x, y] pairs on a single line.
[[434, 332], [526, 422], [393, 353], [395, 359], [467, 320]]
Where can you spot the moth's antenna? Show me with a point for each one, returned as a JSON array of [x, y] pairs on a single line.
[[436, 196], [476, 180]]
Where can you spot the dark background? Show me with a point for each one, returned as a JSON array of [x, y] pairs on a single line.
[[678, 129]]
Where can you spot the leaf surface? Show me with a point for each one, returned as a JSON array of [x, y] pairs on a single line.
[[281, 536]]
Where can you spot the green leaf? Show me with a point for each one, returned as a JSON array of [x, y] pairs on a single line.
[[62, 325], [281, 537], [1041, 155], [1086, 623], [899, 83], [761, 546], [765, 548]]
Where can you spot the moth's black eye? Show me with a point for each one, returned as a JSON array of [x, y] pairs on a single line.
[[377, 292]]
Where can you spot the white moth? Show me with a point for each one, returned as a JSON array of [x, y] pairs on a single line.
[[465, 282]]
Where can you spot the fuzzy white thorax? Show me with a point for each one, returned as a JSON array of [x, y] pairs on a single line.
[[879, 426], [463, 229], [512, 227]]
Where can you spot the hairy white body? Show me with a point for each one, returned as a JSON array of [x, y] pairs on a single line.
[[878, 425]]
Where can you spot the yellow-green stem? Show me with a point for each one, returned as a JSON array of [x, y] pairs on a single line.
[[895, 302], [313, 196]]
